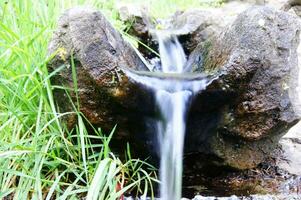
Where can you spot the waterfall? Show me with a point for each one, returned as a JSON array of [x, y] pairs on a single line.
[[173, 108], [173, 98]]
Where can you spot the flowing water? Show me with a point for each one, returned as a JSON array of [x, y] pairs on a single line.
[[173, 97]]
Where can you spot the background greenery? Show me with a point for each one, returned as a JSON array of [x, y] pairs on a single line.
[[39, 158]]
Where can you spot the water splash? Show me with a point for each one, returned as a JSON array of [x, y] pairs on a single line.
[[173, 97]]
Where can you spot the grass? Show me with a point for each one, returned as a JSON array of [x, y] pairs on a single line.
[[39, 158]]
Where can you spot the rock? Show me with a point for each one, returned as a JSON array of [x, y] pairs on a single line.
[[297, 10], [137, 18], [267, 178], [237, 121], [194, 26], [289, 159], [291, 3], [241, 116], [138, 25], [105, 95], [294, 132]]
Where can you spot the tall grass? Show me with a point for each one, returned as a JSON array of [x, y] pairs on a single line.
[[39, 158]]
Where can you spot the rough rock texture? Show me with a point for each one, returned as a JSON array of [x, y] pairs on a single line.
[[139, 24], [106, 97], [237, 121], [137, 18], [242, 115], [279, 176], [194, 26]]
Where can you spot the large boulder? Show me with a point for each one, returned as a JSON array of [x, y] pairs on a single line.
[[241, 116], [237, 121], [105, 95]]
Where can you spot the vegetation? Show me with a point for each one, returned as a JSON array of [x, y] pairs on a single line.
[[39, 157]]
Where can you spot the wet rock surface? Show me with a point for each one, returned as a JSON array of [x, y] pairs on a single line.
[[277, 177], [194, 27], [236, 122], [251, 105], [105, 95]]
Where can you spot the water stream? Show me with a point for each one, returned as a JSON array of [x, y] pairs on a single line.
[[173, 96]]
